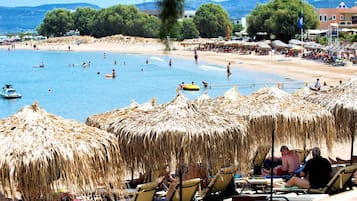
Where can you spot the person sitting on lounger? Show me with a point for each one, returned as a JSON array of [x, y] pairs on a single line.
[[289, 163], [317, 85], [318, 170]]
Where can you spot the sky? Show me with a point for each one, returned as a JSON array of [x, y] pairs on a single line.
[[100, 3]]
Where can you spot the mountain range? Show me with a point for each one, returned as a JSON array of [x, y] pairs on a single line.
[[22, 19]]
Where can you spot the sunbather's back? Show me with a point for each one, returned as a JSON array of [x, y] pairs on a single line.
[[339, 181]]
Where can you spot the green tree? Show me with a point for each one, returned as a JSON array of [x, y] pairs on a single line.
[[212, 20], [56, 23], [279, 18], [83, 20], [118, 19], [189, 29], [237, 28], [146, 26]]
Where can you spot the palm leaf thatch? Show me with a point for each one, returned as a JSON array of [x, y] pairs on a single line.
[[203, 98], [38, 148], [295, 120], [341, 101], [301, 93], [102, 120], [178, 128], [231, 95], [220, 103]]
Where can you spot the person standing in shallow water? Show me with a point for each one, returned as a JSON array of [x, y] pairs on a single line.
[[196, 57], [229, 69], [113, 73]]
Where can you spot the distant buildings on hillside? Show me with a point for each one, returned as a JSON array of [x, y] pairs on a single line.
[[186, 14], [342, 16]]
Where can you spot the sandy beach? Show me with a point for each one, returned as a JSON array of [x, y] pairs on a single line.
[[294, 68]]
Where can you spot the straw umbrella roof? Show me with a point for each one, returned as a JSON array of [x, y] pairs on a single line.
[[296, 119], [38, 148], [231, 95], [176, 128], [341, 101], [102, 120], [204, 97]]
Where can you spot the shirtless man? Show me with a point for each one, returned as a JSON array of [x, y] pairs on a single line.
[[290, 163]]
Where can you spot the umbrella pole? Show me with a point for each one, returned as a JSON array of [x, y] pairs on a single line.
[[180, 174], [353, 130], [305, 148], [272, 157]]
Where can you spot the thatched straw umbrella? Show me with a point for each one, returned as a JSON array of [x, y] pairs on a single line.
[[341, 101], [275, 115], [178, 128], [38, 149], [293, 119], [271, 110], [102, 120]]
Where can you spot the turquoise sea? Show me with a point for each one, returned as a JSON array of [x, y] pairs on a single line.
[[65, 88]]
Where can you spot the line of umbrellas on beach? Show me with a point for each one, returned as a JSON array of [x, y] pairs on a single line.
[[42, 152]]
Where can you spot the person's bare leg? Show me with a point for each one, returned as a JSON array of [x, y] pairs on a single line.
[[296, 181]]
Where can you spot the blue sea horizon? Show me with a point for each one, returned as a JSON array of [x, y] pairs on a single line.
[[66, 88]]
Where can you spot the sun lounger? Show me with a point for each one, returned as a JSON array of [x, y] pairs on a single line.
[[285, 197], [142, 192], [338, 183], [189, 189], [259, 157], [145, 192], [219, 183], [257, 185]]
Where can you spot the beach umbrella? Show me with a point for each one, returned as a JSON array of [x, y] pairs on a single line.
[[276, 116], [341, 101], [296, 42], [40, 152], [180, 129], [294, 117], [101, 121], [279, 44]]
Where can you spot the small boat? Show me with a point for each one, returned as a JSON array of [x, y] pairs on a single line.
[[191, 87], [9, 92]]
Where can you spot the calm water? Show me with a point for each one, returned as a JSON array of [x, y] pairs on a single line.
[[67, 89]]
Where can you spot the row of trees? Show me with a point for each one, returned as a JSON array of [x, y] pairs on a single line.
[[277, 18], [210, 20]]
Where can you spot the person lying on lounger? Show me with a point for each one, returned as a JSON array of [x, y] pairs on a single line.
[[316, 174]]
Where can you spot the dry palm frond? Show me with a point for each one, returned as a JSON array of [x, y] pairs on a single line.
[[295, 119], [38, 148], [179, 128], [341, 101]]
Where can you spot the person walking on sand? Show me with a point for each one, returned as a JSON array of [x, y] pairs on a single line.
[[229, 69]]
